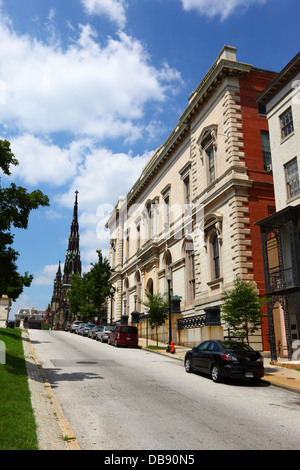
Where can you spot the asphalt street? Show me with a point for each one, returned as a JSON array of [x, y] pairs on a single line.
[[117, 398]]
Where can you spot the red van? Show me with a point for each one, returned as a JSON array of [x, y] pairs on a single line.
[[124, 335]]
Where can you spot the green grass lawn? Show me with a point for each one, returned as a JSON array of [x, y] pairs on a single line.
[[17, 423]]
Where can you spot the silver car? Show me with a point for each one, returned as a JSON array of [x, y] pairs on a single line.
[[78, 328], [74, 325], [104, 333], [94, 331]]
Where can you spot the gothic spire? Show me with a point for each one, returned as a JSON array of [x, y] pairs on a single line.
[[57, 283], [73, 262]]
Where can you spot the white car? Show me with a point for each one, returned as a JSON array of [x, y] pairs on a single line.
[[104, 333]]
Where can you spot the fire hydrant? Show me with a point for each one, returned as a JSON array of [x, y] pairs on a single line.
[[172, 347]]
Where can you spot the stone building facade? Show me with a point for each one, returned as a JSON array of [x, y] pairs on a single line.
[[192, 212]]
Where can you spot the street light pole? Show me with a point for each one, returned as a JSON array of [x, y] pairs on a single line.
[[112, 290], [168, 276], [147, 313]]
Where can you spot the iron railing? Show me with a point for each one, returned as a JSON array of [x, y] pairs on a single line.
[[282, 279], [195, 321]]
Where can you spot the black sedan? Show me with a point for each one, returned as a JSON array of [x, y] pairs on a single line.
[[222, 359]]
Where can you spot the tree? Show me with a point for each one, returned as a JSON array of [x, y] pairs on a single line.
[[89, 292], [158, 310], [80, 296], [242, 308], [75, 294], [100, 275], [15, 207]]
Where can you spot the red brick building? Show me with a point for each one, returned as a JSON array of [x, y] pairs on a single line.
[[258, 162]]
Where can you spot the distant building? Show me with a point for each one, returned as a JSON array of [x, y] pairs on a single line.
[[60, 309], [281, 231], [30, 317], [191, 215]]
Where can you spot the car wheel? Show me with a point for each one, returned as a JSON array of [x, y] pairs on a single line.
[[102, 340], [215, 373], [188, 365]]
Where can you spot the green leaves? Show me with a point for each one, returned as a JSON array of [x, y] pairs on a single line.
[[15, 207], [242, 308], [7, 158], [88, 293], [158, 309]]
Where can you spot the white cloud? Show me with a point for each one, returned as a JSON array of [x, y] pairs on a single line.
[[46, 276], [224, 8], [40, 161], [101, 180], [85, 89], [115, 10], [103, 177]]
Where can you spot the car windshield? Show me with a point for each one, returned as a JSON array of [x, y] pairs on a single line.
[[235, 346]]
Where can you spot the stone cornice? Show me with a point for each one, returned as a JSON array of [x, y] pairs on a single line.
[[280, 81], [220, 69]]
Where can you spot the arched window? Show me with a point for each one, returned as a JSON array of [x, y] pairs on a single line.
[[149, 287], [213, 238]]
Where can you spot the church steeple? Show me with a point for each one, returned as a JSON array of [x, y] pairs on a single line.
[[73, 262], [57, 285]]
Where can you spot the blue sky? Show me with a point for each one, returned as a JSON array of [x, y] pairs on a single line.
[[90, 88]]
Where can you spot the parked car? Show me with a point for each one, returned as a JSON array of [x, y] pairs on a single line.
[[104, 333], [123, 335], [222, 359], [74, 325], [93, 332], [86, 328], [68, 326], [78, 328]]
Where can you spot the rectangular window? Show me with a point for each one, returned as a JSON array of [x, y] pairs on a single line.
[[187, 193], [127, 246], [138, 237], [265, 143], [167, 213], [216, 257], [287, 124], [292, 178], [211, 164]]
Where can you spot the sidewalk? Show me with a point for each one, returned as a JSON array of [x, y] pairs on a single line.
[[281, 374], [55, 433]]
